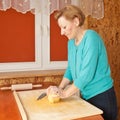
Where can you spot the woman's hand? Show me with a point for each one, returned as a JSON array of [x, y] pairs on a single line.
[[56, 91], [52, 90], [62, 94], [71, 90]]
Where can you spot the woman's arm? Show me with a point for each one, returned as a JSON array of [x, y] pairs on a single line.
[[64, 83], [69, 91]]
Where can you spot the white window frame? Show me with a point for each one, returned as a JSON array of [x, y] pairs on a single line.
[[47, 64]]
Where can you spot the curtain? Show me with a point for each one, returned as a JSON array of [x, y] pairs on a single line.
[[95, 8]]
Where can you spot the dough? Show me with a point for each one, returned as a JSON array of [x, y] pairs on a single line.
[[53, 98], [53, 94]]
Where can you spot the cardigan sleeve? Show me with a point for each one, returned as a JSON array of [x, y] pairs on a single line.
[[68, 73], [90, 61]]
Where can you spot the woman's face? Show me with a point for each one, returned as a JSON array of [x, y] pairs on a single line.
[[68, 28]]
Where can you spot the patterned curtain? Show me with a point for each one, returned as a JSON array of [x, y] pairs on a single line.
[[95, 8]]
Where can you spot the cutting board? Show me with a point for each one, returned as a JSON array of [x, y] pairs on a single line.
[[67, 109]]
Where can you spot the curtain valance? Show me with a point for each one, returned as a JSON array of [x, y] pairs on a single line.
[[95, 8]]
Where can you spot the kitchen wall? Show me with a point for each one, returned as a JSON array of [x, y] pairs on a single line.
[[109, 28]]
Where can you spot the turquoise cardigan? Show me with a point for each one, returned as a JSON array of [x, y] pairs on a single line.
[[88, 66]]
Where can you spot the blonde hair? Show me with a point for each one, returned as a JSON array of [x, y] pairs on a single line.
[[70, 12]]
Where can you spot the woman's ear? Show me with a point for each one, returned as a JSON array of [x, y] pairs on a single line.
[[76, 21]]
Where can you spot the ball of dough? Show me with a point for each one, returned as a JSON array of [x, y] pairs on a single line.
[[53, 98], [53, 94]]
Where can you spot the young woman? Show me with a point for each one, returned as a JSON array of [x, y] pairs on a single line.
[[88, 70]]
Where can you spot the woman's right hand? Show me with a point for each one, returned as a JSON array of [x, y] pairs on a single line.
[[52, 90]]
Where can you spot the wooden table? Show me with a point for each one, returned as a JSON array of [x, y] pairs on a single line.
[[9, 109]]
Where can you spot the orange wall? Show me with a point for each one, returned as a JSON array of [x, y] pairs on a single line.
[[17, 38]]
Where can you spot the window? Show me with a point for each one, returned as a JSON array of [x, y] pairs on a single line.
[[42, 50], [42, 40], [37, 63]]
